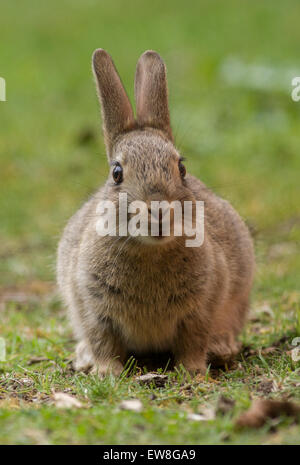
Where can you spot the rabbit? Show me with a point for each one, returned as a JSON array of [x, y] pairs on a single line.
[[151, 294]]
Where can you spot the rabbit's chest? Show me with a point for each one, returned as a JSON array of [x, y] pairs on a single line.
[[146, 307], [147, 300], [151, 291], [144, 297]]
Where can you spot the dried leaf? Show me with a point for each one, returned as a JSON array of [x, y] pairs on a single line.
[[195, 417], [134, 405], [261, 410], [65, 401], [152, 378], [205, 415]]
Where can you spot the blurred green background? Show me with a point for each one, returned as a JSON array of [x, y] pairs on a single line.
[[240, 134], [230, 65]]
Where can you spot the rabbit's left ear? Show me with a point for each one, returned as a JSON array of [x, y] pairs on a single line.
[[117, 112], [151, 93]]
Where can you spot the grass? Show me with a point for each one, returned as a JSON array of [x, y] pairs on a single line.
[[240, 138]]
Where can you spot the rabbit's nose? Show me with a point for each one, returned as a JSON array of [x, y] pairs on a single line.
[[155, 218], [155, 214]]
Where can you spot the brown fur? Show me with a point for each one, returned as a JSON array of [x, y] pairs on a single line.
[[126, 294]]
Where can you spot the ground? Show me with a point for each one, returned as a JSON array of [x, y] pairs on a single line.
[[230, 66]]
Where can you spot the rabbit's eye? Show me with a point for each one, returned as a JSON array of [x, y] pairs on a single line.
[[117, 174], [182, 169]]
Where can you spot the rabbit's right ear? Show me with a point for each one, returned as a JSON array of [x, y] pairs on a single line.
[[151, 93], [117, 113]]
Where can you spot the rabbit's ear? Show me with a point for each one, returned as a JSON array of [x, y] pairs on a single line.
[[151, 93], [117, 113]]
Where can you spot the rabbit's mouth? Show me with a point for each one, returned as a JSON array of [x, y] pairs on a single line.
[[158, 222], [155, 240]]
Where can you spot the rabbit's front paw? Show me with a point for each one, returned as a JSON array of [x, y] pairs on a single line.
[[223, 348], [193, 366], [107, 367], [84, 359]]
